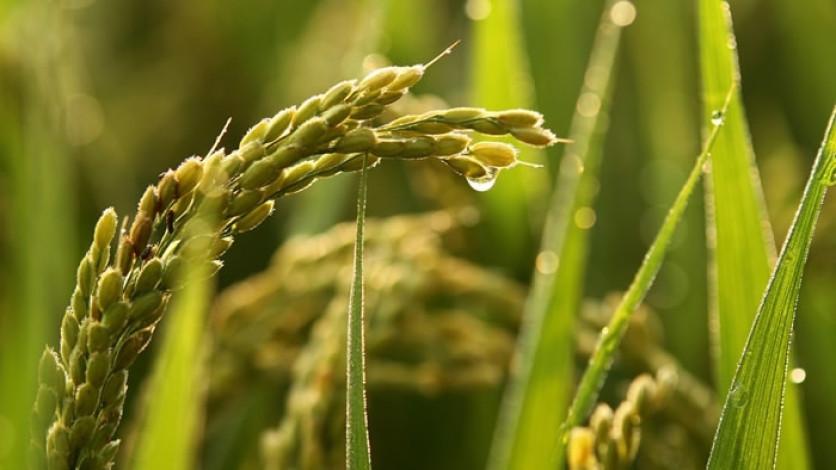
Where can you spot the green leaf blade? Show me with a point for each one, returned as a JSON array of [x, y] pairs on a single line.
[[739, 233], [751, 419], [38, 239], [738, 236], [538, 394]]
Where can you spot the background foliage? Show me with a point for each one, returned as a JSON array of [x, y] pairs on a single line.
[[96, 98]]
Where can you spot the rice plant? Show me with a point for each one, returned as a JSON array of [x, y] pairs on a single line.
[[617, 301]]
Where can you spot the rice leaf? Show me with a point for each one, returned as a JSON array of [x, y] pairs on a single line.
[[537, 396], [751, 419], [38, 238], [356, 426], [741, 245], [174, 410], [739, 234]]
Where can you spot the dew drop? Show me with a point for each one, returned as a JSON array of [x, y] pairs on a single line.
[[717, 118], [732, 43], [483, 183], [563, 432], [829, 175], [798, 375], [739, 396]]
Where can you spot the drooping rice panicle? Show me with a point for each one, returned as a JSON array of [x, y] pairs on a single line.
[[118, 300]]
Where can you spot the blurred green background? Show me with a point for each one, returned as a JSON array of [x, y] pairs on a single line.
[[97, 98]]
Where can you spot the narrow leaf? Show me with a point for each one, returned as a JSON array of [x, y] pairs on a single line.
[[356, 427], [748, 433], [539, 391], [739, 234], [38, 238]]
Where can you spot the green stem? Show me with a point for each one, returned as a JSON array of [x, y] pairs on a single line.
[[599, 364], [356, 430]]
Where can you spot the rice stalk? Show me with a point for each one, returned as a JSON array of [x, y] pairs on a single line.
[[357, 453]]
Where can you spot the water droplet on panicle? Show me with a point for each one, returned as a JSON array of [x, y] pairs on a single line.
[[483, 183]]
